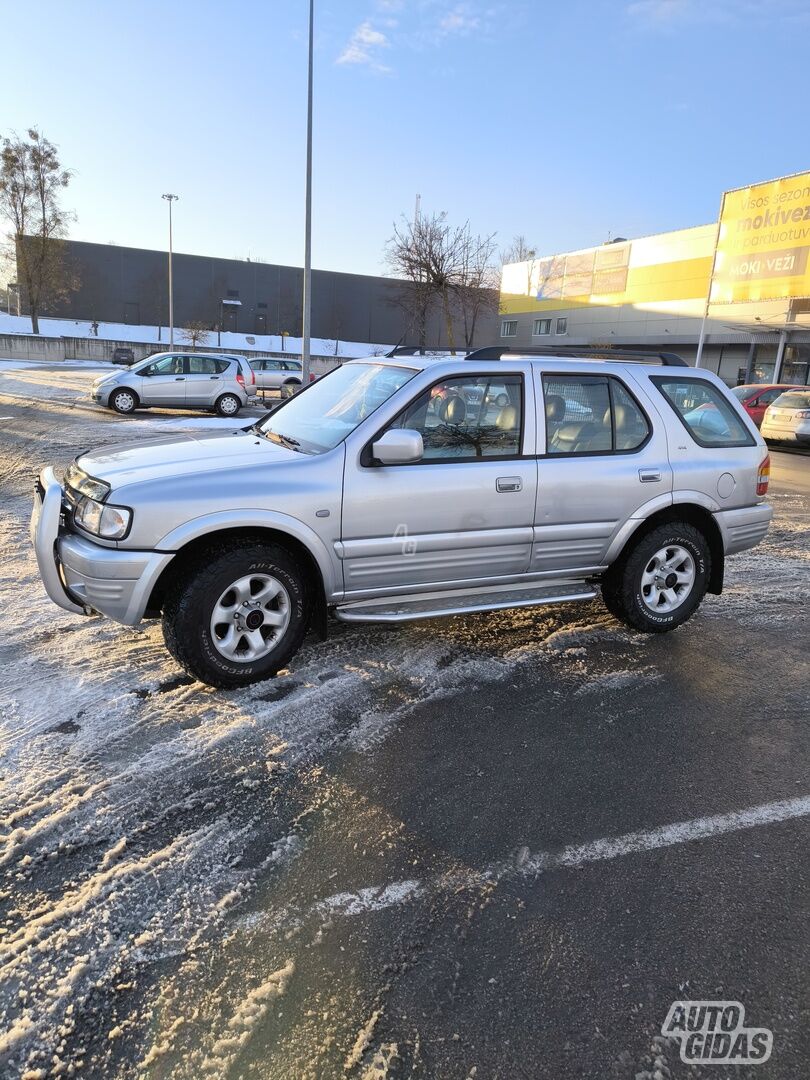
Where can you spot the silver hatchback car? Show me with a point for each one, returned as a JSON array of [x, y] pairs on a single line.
[[404, 487], [179, 380]]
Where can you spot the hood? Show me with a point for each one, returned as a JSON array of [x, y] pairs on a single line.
[[109, 377], [182, 455]]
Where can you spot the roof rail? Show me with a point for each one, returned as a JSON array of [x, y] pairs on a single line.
[[583, 352], [426, 350]]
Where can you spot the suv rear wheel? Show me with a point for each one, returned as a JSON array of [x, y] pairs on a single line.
[[658, 583], [237, 616], [228, 405]]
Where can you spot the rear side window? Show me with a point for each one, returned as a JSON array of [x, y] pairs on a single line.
[[591, 415], [704, 411], [202, 365]]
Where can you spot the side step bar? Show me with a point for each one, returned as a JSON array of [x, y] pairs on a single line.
[[392, 609]]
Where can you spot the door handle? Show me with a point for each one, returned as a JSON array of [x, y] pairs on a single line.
[[649, 476], [509, 483], [214, 378], [180, 378]]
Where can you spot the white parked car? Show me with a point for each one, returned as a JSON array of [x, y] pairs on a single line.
[[177, 380], [788, 419]]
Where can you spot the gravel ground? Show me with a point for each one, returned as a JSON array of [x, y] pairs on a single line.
[[438, 850]]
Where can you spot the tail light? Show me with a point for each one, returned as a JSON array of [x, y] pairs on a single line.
[[764, 475], [252, 377], [240, 378], [312, 376]]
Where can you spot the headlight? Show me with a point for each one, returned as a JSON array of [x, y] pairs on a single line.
[[77, 479], [109, 522]]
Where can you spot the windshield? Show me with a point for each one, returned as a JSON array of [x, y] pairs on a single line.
[[740, 392], [331, 408]]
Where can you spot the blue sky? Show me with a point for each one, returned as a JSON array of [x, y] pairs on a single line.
[[561, 121]]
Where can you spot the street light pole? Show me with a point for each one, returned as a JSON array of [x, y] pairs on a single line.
[[307, 304], [170, 199]]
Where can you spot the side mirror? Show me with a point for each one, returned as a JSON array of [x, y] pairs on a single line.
[[398, 446]]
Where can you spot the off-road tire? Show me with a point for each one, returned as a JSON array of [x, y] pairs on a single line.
[[190, 601], [225, 411], [116, 398], [621, 585]]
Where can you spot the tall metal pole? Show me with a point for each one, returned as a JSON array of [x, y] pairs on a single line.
[[702, 336], [170, 199], [308, 217]]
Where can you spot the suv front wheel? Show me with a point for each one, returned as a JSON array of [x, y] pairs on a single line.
[[237, 616], [659, 582]]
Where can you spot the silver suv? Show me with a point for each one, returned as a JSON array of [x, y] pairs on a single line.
[[178, 380], [405, 487]]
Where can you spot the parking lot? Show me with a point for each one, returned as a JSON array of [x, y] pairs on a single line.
[[492, 846]]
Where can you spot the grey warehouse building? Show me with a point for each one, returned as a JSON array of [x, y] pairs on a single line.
[[129, 285]]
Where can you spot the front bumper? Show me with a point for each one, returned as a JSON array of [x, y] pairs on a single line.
[[83, 577], [744, 528]]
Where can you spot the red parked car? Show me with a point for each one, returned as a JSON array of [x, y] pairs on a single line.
[[756, 397]]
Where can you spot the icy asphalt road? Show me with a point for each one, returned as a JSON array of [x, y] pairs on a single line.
[[387, 863]]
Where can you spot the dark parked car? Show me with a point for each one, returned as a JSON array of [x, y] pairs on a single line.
[[123, 356]]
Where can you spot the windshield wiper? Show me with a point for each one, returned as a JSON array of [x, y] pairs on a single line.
[[284, 440]]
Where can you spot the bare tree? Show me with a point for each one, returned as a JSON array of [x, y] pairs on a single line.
[[196, 333], [478, 283], [31, 182], [442, 263]]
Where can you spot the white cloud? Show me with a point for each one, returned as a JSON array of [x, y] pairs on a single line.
[[459, 20], [364, 46], [658, 12]]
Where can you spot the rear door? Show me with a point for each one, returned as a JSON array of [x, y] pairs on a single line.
[[462, 514], [602, 457], [204, 379]]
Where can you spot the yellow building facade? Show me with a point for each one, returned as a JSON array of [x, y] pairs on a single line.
[[736, 291]]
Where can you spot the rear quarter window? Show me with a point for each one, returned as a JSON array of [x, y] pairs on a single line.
[[704, 411]]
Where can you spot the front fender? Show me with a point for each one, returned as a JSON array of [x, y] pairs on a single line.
[[258, 519]]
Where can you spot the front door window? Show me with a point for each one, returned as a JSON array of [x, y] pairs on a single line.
[[465, 418]]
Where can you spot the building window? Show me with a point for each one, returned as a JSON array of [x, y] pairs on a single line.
[[541, 327], [509, 328], [562, 326]]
